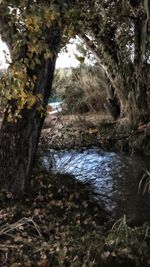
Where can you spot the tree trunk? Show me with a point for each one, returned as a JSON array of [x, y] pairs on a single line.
[[138, 95], [18, 140], [139, 110], [111, 89]]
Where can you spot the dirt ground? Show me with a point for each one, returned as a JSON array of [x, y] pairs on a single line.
[[59, 119]]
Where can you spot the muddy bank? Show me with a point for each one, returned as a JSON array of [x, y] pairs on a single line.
[[87, 132]]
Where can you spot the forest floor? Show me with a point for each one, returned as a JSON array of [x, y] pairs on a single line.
[[58, 225]]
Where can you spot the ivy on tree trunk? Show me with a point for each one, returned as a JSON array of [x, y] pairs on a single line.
[[19, 138]]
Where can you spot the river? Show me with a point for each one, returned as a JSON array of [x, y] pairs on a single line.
[[113, 179]]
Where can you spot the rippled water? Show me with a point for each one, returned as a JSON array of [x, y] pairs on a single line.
[[113, 178]]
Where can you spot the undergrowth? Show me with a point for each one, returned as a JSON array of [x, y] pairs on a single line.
[[82, 89]]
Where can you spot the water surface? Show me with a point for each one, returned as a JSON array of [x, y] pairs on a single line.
[[113, 179]]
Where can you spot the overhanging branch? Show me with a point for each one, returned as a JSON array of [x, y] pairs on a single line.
[[93, 48]]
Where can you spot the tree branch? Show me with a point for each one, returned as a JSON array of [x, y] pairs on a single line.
[[95, 51]]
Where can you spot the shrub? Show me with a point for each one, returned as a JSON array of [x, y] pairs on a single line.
[[82, 89]]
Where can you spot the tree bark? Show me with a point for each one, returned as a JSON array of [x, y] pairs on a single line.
[[19, 140], [138, 98]]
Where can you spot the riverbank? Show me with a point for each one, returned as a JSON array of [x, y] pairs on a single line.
[[76, 131], [59, 225]]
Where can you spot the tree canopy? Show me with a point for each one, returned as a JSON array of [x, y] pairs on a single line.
[[26, 28], [116, 31]]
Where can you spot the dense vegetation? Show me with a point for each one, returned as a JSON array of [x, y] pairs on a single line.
[[34, 33], [117, 33], [119, 39], [82, 89]]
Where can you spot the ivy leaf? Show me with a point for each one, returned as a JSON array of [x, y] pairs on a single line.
[[31, 100], [48, 55], [37, 61]]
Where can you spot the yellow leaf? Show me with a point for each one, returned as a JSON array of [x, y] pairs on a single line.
[[34, 78], [48, 55], [31, 100], [50, 15]]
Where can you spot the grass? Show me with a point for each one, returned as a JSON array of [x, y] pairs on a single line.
[[144, 183]]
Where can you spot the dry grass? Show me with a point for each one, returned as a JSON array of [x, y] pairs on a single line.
[[61, 120], [82, 89], [7, 228]]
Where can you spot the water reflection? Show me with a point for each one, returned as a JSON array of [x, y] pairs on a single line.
[[112, 177]]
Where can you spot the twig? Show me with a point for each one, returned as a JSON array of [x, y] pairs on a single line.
[[4, 230]]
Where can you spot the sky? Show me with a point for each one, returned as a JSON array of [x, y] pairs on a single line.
[[68, 59], [3, 48], [64, 60]]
